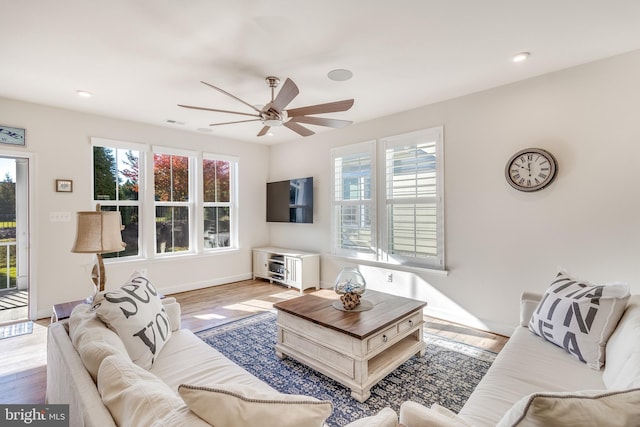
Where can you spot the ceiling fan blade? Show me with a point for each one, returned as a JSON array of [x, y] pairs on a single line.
[[299, 129], [218, 111], [330, 107], [232, 96], [264, 131], [321, 121], [230, 123], [285, 96]]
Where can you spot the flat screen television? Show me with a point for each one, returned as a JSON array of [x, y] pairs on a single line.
[[290, 200]]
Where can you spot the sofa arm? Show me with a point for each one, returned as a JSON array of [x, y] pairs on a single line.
[[528, 303], [172, 307]]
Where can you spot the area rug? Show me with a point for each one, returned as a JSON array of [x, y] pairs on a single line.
[[16, 329], [446, 375]]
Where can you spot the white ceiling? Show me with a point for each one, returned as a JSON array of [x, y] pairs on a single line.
[[140, 58]]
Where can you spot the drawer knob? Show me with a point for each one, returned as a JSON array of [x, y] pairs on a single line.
[[384, 338], [410, 322]]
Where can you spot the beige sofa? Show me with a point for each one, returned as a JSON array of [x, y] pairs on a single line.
[[536, 383], [88, 368]]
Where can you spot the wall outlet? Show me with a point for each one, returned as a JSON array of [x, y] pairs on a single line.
[[59, 216], [389, 277]]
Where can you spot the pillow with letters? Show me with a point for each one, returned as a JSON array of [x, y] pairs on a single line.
[[137, 315], [580, 316]]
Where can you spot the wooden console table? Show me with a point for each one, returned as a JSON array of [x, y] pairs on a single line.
[[357, 349]]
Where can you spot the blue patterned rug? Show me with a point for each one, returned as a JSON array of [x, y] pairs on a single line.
[[446, 375]]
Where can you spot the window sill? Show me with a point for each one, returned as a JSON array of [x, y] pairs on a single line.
[[387, 265]]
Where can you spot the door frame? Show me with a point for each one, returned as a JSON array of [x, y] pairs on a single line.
[[31, 226]]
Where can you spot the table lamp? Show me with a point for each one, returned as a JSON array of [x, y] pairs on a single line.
[[97, 233]]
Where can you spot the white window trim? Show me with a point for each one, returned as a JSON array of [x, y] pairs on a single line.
[[143, 150], [190, 204], [233, 202], [362, 147], [379, 219], [437, 262]]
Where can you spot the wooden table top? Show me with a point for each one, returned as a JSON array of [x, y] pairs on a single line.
[[317, 307]]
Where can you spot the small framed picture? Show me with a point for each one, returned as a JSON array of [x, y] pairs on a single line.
[[13, 136], [64, 185]]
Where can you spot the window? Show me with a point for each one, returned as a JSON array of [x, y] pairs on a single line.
[[409, 202], [173, 206], [190, 207], [218, 194], [354, 200], [116, 183]]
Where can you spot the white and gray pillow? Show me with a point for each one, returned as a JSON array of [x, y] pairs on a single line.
[[580, 316], [136, 313]]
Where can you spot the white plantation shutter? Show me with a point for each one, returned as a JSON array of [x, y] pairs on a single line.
[[409, 202], [354, 201], [413, 202]]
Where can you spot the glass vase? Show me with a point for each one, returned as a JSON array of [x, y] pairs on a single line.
[[350, 281]]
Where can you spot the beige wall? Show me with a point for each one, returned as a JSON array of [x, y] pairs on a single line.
[[58, 142], [500, 242]]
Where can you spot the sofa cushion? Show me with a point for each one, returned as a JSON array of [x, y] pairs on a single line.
[[527, 364], [181, 417], [387, 417], [248, 407], [92, 339], [133, 395], [583, 408], [206, 366], [622, 369], [580, 316], [415, 414], [137, 315]]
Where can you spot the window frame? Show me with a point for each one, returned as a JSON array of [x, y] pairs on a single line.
[[189, 203], [365, 149], [141, 149], [232, 204], [147, 240], [380, 201]]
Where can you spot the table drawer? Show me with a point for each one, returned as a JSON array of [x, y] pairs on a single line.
[[381, 338], [317, 352], [410, 322]]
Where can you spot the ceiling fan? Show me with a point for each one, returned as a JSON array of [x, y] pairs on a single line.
[[274, 113]]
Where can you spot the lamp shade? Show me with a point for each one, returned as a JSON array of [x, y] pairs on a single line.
[[98, 233]]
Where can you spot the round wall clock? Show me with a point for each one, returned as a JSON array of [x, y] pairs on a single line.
[[531, 169]]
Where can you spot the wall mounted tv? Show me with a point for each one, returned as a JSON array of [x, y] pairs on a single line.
[[290, 200]]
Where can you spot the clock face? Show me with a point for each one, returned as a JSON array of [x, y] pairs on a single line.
[[531, 169]]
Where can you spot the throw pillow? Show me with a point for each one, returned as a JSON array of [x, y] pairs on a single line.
[[92, 339], [415, 414], [387, 417], [622, 369], [247, 407], [135, 397], [137, 315], [584, 408], [580, 316]]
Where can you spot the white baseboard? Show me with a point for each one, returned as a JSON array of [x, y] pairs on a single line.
[[184, 287]]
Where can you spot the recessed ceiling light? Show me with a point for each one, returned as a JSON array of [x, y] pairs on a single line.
[[340, 75], [83, 94], [520, 56]]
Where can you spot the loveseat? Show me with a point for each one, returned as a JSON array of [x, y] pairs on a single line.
[[162, 375], [533, 382]]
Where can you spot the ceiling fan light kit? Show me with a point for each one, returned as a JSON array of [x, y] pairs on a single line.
[[274, 114]]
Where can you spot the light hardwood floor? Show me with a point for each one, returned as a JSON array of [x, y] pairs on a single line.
[[23, 367]]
